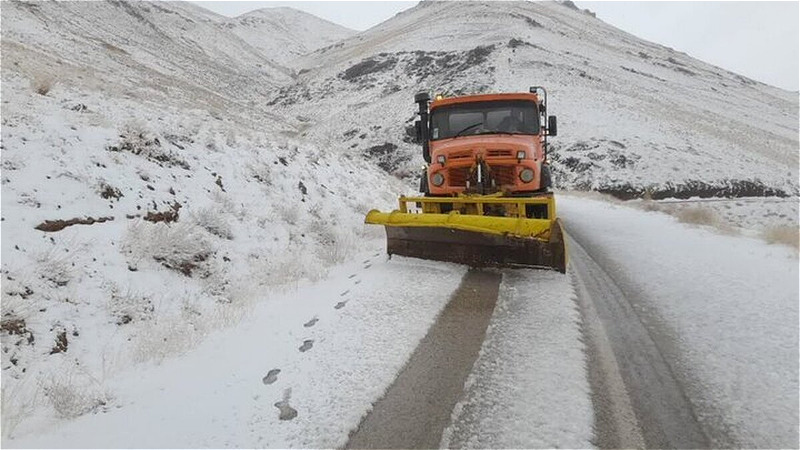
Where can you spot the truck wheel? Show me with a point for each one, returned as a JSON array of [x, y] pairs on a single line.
[[423, 183], [546, 180]]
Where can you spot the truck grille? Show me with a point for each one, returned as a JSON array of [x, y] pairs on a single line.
[[499, 153], [503, 175], [458, 176]]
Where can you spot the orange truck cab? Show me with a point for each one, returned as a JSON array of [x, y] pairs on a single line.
[[484, 144]]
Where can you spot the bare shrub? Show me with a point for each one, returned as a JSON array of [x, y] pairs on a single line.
[[697, 215], [135, 138], [785, 235], [73, 396], [179, 246], [260, 172], [224, 202], [286, 270], [338, 251], [166, 336], [213, 221], [43, 83], [19, 401], [128, 306], [649, 205], [55, 265], [288, 213], [334, 247]]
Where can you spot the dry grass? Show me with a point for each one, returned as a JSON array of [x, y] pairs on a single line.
[[697, 216], [782, 235], [17, 404], [214, 221], [42, 84], [73, 394]]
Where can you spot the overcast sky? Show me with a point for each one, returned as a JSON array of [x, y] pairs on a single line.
[[755, 39]]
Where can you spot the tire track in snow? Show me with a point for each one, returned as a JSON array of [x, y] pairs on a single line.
[[638, 401], [417, 407]]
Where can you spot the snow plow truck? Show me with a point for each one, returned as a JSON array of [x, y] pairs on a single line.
[[485, 191]]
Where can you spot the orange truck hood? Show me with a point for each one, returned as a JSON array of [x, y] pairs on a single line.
[[484, 142]]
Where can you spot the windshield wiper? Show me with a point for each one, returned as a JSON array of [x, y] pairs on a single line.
[[468, 128]]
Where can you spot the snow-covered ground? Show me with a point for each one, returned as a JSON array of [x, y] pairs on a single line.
[[319, 355], [729, 305]]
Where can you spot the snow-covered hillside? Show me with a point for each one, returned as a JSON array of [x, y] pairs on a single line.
[[148, 195], [634, 115], [286, 34]]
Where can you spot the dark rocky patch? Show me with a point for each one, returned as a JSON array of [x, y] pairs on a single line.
[[694, 188], [149, 148], [168, 216], [108, 192], [58, 225], [368, 66], [185, 267], [61, 344], [527, 20], [387, 157], [17, 327]]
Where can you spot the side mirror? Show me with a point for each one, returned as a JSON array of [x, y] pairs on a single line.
[[552, 126], [418, 129]]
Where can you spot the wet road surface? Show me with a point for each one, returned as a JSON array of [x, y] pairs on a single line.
[[416, 408]]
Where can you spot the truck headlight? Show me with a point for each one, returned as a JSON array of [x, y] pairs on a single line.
[[437, 179], [441, 159], [521, 154], [526, 175]]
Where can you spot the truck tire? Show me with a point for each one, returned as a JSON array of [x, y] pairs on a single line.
[[423, 183], [546, 179]]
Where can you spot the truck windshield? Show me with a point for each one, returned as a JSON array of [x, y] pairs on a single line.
[[466, 119]]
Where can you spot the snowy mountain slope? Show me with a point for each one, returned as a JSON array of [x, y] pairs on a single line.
[[285, 34], [634, 115], [164, 52]]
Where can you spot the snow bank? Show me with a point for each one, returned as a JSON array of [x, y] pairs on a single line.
[[529, 387], [730, 305]]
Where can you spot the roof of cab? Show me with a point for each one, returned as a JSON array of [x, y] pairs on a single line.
[[484, 98]]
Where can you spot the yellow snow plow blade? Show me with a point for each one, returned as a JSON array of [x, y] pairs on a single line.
[[487, 230]]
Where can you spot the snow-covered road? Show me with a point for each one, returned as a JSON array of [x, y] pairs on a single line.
[[722, 312]]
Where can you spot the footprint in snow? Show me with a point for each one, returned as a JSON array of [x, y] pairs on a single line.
[[357, 282], [311, 323], [366, 261], [340, 305], [286, 411], [271, 377], [344, 293], [352, 276], [377, 254], [307, 344], [368, 266]]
